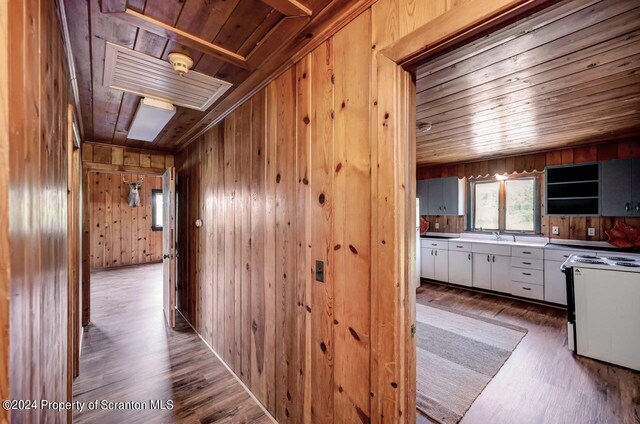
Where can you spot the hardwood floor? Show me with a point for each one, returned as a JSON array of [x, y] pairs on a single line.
[[542, 381], [128, 354]]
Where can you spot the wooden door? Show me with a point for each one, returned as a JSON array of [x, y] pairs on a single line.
[[169, 245]]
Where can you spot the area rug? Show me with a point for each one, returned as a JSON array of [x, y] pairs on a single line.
[[457, 356]]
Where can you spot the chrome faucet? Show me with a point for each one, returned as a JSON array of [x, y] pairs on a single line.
[[497, 235]]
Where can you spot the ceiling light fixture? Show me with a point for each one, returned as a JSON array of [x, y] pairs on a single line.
[[181, 62], [150, 118], [423, 127]]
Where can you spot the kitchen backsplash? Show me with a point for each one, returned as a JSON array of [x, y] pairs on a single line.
[[571, 227]]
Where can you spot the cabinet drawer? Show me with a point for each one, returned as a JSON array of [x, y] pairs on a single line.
[[434, 243], [460, 246], [527, 252], [530, 276], [527, 263], [492, 249], [562, 255], [532, 291]]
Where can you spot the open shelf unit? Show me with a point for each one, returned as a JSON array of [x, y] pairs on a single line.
[[573, 189]]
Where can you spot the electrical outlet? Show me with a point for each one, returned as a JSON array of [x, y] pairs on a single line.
[[555, 230], [437, 225], [591, 231]]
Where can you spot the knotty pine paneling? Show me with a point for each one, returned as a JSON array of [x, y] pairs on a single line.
[[283, 182], [122, 235], [570, 227], [104, 157], [35, 159]]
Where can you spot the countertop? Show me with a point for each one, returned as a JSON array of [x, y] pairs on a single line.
[[558, 244]]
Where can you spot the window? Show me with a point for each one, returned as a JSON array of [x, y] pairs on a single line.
[[157, 209], [505, 204]]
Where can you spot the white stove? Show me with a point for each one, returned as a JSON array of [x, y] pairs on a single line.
[[608, 262], [603, 306]]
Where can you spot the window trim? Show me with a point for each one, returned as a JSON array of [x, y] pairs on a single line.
[[537, 225], [154, 226]]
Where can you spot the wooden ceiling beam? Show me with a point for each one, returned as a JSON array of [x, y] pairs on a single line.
[[157, 27], [289, 7]]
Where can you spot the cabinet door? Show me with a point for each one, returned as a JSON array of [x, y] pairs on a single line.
[[427, 263], [442, 265], [434, 196], [451, 195], [460, 268], [481, 271], [555, 283], [635, 185], [615, 188], [501, 273], [422, 193]]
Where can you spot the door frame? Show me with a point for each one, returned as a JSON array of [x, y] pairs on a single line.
[[393, 371], [88, 167]]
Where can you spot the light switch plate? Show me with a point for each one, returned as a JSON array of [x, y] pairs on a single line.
[[591, 231], [437, 225], [555, 230]]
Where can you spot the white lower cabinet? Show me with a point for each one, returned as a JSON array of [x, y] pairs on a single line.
[[460, 268], [482, 271], [434, 259], [427, 263], [555, 283], [501, 273], [441, 265], [492, 272]]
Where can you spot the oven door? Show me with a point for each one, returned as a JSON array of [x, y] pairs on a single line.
[[571, 306]]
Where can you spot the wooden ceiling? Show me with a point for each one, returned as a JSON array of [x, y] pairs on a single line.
[[245, 42], [567, 75]]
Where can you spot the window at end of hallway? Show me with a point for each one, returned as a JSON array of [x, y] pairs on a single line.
[[157, 209]]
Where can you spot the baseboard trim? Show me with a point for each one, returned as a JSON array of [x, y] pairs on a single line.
[[244, 386]]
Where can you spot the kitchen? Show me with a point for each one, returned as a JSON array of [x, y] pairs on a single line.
[[528, 219]]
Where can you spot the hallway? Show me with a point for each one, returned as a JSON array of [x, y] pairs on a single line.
[[128, 354]]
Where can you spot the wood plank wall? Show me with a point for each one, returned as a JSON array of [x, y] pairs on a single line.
[[37, 103], [5, 255], [104, 157], [571, 227], [356, 370], [283, 182], [122, 235]]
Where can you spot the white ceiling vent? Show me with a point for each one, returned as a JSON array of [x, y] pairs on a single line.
[[144, 75]]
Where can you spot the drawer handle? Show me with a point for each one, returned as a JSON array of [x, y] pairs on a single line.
[[459, 247], [434, 244], [526, 273], [526, 288], [565, 256], [526, 263], [526, 253]]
